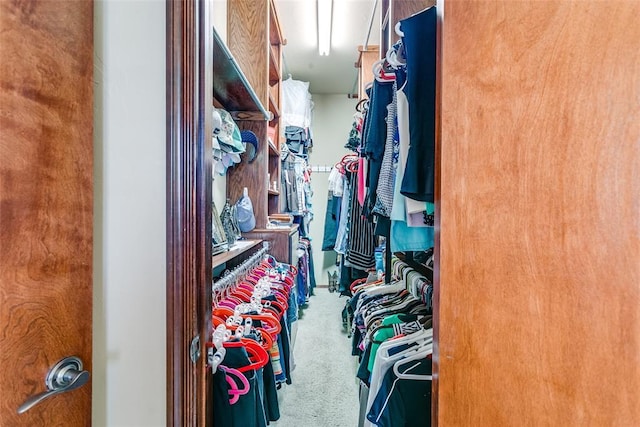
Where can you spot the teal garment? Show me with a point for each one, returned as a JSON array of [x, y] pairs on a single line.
[[431, 208], [387, 331], [403, 237]]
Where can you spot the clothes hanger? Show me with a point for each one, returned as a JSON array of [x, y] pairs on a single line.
[[384, 303], [392, 287], [418, 355], [219, 335], [258, 356], [365, 286], [380, 73], [397, 29], [350, 162], [395, 299], [408, 303], [347, 158], [386, 354], [394, 53], [385, 357], [356, 283], [233, 319], [368, 86], [422, 336], [234, 391]]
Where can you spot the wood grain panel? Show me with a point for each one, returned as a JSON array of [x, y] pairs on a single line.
[[189, 194], [275, 201], [281, 242], [400, 9], [248, 39], [46, 205], [366, 59], [539, 267], [275, 31]]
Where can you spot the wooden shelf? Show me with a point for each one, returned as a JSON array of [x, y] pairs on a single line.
[[274, 66], [273, 107], [367, 56], [255, 38], [230, 86], [275, 32], [282, 241], [238, 248], [273, 150]]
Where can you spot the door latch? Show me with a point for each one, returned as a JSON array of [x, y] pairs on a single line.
[[66, 375], [195, 349]]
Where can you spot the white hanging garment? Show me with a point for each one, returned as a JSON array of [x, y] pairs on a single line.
[[296, 104]]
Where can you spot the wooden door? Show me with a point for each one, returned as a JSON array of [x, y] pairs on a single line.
[[46, 204], [539, 269]]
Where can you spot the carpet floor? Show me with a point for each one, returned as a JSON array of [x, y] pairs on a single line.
[[324, 392]]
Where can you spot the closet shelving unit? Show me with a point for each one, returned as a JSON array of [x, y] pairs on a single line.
[[235, 253], [232, 91], [367, 56], [255, 41]]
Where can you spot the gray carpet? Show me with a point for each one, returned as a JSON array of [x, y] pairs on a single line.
[[324, 392]]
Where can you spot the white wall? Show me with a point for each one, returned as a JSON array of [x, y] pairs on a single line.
[[129, 357], [219, 20], [331, 124]]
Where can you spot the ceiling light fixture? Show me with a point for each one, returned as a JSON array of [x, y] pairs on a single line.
[[325, 13]]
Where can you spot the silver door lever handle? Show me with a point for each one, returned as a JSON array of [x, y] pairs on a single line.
[[66, 375]]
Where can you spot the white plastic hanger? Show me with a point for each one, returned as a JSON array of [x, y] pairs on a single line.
[[423, 336], [385, 359], [398, 307], [418, 355], [384, 289], [398, 30], [393, 57], [219, 336], [379, 72]]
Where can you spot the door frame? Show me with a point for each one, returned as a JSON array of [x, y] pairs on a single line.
[[189, 197]]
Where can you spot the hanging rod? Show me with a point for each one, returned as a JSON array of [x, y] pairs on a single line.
[[240, 271], [373, 15]]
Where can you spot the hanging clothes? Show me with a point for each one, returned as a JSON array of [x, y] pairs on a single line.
[[305, 278], [391, 330], [342, 233], [332, 214], [293, 182], [386, 181], [361, 248], [375, 138], [296, 104], [405, 237], [250, 344], [419, 41]]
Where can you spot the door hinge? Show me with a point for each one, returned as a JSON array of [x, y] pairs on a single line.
[[195, 349]]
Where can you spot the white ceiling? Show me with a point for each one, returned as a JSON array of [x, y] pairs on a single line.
[[335, 73]]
